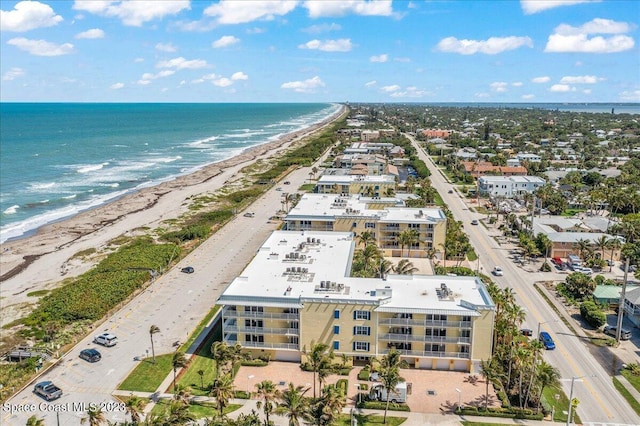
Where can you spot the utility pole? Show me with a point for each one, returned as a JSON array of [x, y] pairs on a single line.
[[622, 297], [533, 213]]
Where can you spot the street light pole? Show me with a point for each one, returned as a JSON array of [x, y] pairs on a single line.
[[573, 379], [249, 377], [545, 322], [459, 397]]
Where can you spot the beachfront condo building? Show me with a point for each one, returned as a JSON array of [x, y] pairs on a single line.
[[297, 291], [370, 186], [385, 218]]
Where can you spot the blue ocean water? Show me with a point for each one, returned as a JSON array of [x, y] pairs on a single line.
[[58, 159]]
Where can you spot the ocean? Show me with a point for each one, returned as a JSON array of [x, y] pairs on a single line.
[[58, 159]]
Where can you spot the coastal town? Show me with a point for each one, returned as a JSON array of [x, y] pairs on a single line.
[[406, 264]]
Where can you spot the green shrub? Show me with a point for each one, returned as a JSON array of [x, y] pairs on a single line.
[[343, 385], [592, 314], [242, 394], [380, 405], [254, 363], [364, 374]]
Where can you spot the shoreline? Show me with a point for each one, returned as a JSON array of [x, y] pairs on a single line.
[[43, 259]]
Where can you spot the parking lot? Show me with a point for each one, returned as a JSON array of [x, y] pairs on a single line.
[[431, 391]]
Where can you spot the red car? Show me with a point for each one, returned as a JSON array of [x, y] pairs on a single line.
[[556, 261]]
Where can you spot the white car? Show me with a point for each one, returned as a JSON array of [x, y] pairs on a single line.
[[497, 271]]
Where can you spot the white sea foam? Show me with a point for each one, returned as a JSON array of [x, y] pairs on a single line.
[[11, 210], [91, 167], [70, 197], [41, 186]]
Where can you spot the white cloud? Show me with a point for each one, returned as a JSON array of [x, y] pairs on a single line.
[[92, 33], [391, 88], [239, 12], [568, 39], [305, 86], [133, 13], [370, 83], [579, 79], [481, 95], [380, 58], [138, 60], [13, 73], [544, 79], [516, 84], [222, 82], [490, 46], [323, 8], [322, 28], [630, 95], [28, 15], [586, 91], [499, 86], [225, 41], [561, 88], [255, 30], [402, 60], [340, 45], [41, 47], [181, 63], [409, 92], [239, 76], [116, 86], [147, 77], [529, 7], [166, 47], [529, 96]]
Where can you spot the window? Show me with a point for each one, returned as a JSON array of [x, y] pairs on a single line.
[[414, 226], [436, 317], [436, 332], [336, 329], [404, 316], [360, 330], [336, 345], [253, 309], [253, 323], [253, 338], [465, 333], [433, 347], [362, 315], [466, 318], [370, 225], [361, 346], [336, 314]]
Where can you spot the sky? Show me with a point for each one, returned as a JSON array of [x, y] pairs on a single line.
[[320, 51]]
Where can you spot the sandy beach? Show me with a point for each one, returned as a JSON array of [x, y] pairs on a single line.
[[43, 260]]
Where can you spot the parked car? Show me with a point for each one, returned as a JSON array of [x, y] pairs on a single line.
[[279, 188], [249, 214], [188, 270], [611, 331], [90, 355], [632, 268], [556, 261], [497, 271], [450, 191], [286, 182], [611, 262], [547, 341], [526, 332], [47, 390], [474, 222], [106, 339]]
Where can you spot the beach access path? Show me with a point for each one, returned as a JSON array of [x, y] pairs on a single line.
[[42, 260]]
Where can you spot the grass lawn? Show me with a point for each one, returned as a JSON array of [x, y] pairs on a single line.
[[480, 424], [203, 360], [635, 404], [199, 409], [561, 405], [634, 380], [147, 376], [369, 419]]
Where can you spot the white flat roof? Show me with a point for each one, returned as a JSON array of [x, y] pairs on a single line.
[[514, 179], [328, 180], [276, 277]]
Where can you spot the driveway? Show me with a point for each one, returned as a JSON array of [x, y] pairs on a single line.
[[431, 391]]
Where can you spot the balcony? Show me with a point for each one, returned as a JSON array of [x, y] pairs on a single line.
[[266, 315], [266, 345], [447, 324], [401, 322], [445, 339], [427, 354], [402, 337], [262, 330]]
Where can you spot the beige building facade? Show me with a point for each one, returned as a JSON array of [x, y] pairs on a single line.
[[297, 291]]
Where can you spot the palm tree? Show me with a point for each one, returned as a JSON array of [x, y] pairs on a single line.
[[34, 421], [178, 361], [601, 243], [183, 393], [294, 405], [326, 409], [389, 372], [134, 407], [222, 391], [220, 354], [583, 246], [613, 244], [407, 238], [267, 391], [366, 238], [95, 416], [177, 414], [405, 267], [318, 357], [548, 376], [236, 354], [490, 371], [201, 374], [153, 330]]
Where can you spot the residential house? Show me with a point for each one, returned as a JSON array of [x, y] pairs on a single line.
[[508, 186]]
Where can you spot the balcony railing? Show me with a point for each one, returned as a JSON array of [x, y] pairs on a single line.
[[401, 321], [428, 354], [262, 330], [448, 324], [445, 339], [267, 315], [402, 337], [424, 323], [266, 345]]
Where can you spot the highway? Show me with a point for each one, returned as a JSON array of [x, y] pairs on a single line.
[[600, 402]]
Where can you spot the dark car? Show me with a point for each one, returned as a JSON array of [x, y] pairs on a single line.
[[91, 355], [474, 222], [526, 332], [188, 270], [451, 191]]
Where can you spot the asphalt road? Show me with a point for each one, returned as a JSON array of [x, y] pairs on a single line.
[[176, 302], [600, 402]]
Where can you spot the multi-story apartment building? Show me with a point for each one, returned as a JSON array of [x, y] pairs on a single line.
[[385, 218], [508, 186], [373, 186], [297, 292]]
